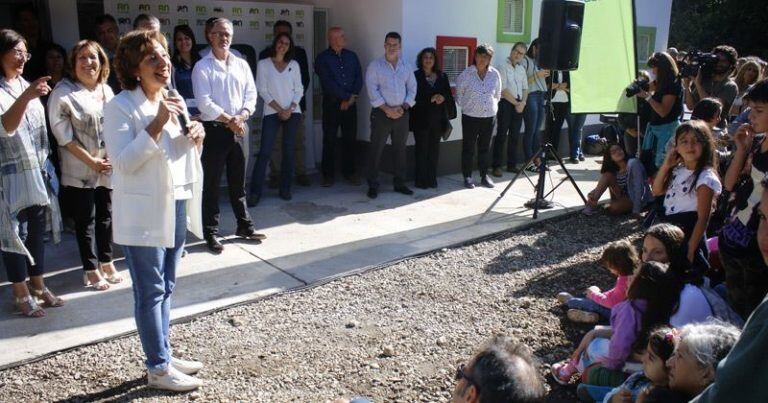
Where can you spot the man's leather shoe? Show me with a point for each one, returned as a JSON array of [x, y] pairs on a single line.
[[252, 200], [213, 244], [250, 234], [373, 192], [497, 172], [303, 180], [403, 189], [327, 182], [469, 183]]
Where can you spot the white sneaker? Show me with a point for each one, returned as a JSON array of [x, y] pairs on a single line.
[[173, 380], [186, 367]]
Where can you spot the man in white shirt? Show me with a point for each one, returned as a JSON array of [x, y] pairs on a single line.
[[514, 93], [226, 96], [391, 86]]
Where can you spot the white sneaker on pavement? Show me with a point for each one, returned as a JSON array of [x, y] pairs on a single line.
[[173, 380], [186, 367]]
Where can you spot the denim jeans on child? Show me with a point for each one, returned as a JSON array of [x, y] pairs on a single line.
[[153, 271], [586, 304]]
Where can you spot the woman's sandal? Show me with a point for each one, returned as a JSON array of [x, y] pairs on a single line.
[[28, 307], [46, 296], [563, 371], [101, 285], [112, 278]]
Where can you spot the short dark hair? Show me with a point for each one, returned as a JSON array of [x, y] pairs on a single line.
[[144, 17], [8, 40], [621, 256], [131, 51], [707, 109], [482, 49], [282, 23], [105, 18], [393, 35], [291, 48], [419, 63], [729, 52], [758, 93], [505, 371]]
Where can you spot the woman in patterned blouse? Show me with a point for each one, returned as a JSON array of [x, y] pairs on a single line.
[[27, 199], [478, 92], [76, 110]]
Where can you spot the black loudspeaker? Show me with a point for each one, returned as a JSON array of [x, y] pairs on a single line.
[[560, 29]]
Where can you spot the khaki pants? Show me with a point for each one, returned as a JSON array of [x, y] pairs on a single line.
[[277, 153]]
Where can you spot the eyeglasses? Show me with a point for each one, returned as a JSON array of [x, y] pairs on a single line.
[[220, 34], [22, 54], [460, 374]]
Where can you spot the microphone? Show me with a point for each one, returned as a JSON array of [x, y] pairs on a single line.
[[183, 117]]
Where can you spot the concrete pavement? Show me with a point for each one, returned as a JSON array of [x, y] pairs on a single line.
[[321, 234]]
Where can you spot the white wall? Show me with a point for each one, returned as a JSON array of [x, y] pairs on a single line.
[[655, 13], [365, 23]]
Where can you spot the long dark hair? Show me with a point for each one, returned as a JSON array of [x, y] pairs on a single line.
[[420, 63], [656, 284], [534, 44], [608, 164], [291, 48], [176, 58], [673, 239], [666, 68], [708, 157]]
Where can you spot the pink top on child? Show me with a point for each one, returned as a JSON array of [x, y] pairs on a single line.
[[613, 296]]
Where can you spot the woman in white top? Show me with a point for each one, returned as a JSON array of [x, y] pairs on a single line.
[[478, 92], [27, 197], [278, 83], [76, 110], [157, 191]]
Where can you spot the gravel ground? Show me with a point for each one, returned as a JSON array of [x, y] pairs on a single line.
[[394, 334]]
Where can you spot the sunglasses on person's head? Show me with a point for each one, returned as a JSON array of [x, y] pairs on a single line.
[[460, 374]]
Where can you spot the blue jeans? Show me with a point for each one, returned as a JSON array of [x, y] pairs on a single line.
[[586, 304], [153, 271], [575, 126], [269, 128], [533, 116], [656, 139]]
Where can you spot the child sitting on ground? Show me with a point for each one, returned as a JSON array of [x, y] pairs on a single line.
[[604, 351], [661, 345], [621, 259]]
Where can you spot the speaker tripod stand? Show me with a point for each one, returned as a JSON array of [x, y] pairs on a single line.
[[540, 202]]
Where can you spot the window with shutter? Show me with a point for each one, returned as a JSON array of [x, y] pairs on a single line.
[[645, 45], [514, 21], [454, 54]]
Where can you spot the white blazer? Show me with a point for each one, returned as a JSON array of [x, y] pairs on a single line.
[[143, 204]]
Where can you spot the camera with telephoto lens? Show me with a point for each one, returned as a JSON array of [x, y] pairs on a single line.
[[638, 85], [696, 61]]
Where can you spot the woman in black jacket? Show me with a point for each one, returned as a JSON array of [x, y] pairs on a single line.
[[430, 116]]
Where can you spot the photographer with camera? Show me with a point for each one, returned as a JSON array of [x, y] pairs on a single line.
[[666, 104], [713, 79]]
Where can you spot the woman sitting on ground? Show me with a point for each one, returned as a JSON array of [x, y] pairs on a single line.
[[699, 348], [624, 177]]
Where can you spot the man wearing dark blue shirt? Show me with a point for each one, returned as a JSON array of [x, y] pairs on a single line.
[[300, 55], [342, 79]]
